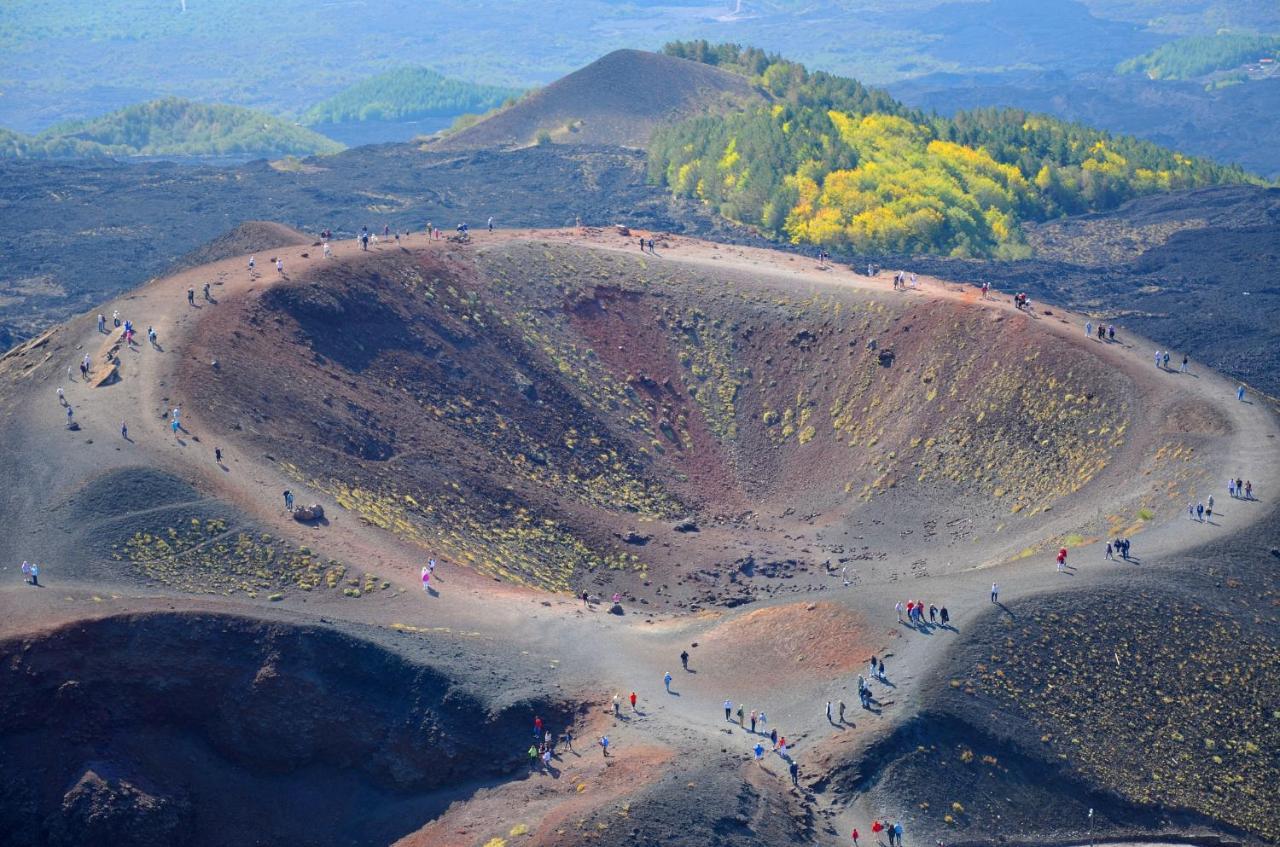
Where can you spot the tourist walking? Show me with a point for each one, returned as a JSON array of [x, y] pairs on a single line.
[[995, 593]]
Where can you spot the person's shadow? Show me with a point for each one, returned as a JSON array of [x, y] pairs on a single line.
[[673, 693]]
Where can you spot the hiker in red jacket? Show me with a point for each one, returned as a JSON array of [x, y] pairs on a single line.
[[633, 701]]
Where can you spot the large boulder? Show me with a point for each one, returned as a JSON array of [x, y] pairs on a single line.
[[313, 512], [105, 808]]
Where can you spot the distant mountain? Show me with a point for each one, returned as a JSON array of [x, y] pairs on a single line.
[[619, 99], [171, 127], [406, 94]]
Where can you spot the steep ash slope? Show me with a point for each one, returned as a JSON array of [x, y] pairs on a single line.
[[618, 99], [546, 413]]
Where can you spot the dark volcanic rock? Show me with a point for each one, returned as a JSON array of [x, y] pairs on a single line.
[[104, 809]]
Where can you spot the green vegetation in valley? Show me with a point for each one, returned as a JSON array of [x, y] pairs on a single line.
[[171, 127], [831, 162], [1197, 55], [406, 94]]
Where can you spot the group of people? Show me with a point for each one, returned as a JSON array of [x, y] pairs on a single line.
[[543, 748], [1121, 546], [756, 717], [892, 831], [1240, 489], [778, 743], [1162, 361], [1198, 511], [31, 573], [915, 612], [86, 363], [1104, 333], [646, 245], [900, 280]]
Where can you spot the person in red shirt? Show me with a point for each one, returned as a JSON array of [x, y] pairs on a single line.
[[537, 726], [855, 838], [633, 701], [876, 827]]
